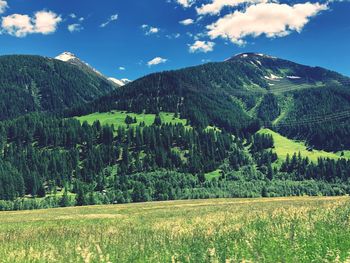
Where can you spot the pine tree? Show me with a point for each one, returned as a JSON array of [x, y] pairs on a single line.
[[157, 120], [64, 202]]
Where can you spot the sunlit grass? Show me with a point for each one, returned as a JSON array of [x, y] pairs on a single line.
[[214, 174], [117, 118], [285, 146], [302, 229]]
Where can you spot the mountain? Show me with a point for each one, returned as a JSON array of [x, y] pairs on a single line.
[[240, 95], [182, 134], [34, 83], [120, 82], [74, 60]]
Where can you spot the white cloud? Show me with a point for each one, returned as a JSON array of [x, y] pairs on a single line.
[[75, 28], [72, 15], [156, 61], [150, 30], [46, 22], [270, 19], [186, 3], [110, 19], [122, 68], [3, 6], [43, 22], [216, 6], [202, 46], [187, 22]]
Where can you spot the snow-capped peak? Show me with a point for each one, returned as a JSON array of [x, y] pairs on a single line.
[[74, 60], [249, 55], [120, 82], [66, 56]]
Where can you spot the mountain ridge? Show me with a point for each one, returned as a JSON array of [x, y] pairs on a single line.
[[74, 60], [235, 95]]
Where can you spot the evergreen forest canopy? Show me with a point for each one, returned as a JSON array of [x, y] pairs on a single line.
[[50, 161], [34, 83]]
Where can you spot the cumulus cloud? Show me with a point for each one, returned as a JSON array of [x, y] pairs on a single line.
[[186, 3], [43, 22], [216, 6], [150, 30], [75, 28], [202, 46], [156, 61], [270, 19], [3, 6], [122, 68], [187, 22], [110, 19]]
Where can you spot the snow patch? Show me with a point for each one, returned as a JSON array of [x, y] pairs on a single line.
[[120, 82], [265, 56], [126, 81], [251, 62], [293, 77], [273, 77], [117, 81], [66, 56]]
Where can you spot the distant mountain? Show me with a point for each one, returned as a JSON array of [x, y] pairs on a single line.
[[34, 83], [74, 60], [120, 82], [241, 94]]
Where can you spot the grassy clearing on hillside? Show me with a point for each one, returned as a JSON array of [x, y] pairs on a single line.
[[117, 118], [214, 174], [284, 146], [302, 229]]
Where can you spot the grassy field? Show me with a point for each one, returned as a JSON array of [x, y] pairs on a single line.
[[117, 118], [284, 146], [300, 229]]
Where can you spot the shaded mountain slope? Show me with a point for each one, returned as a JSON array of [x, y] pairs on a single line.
[[34, 83]]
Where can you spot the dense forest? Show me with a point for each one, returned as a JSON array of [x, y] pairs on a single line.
[[43, 155], [34, 83], [321, 117]]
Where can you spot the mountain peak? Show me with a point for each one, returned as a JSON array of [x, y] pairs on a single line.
[[74, 60], [120, 82], [66, 56], [249, 55]]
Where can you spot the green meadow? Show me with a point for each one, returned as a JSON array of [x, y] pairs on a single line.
[[297, 229], [285, 146], [117, 118]]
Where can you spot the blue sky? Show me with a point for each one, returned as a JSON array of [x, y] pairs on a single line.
[[129, 39]]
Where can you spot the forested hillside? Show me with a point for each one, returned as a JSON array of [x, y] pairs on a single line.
[[241, 95], [190, 133], [34, 83], [43, 154]]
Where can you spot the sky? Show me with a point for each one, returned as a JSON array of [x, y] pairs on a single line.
[[132, 38]]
